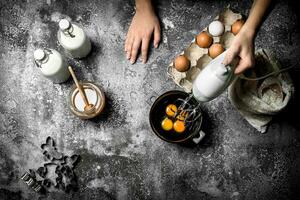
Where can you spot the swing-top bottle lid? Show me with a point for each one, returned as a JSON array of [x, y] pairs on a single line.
[[39, 54], [64, 24]]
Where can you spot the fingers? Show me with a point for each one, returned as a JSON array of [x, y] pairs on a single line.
[[244, 63], [156, 39], [230, 55], [134, 50], [145, 45], [128, 46], [137, 41]]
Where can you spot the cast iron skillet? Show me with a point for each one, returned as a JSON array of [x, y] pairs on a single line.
[[157, 114]]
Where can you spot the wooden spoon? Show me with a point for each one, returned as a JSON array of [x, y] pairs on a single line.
[[88, 107]]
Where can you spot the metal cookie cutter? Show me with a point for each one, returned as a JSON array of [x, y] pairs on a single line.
[[66, 179], [31, 182]]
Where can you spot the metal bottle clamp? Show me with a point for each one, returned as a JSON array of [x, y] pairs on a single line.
[[47, 52], [69, 32]]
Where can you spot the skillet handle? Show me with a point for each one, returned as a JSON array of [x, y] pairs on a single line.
[[151, 98], [196, 140]]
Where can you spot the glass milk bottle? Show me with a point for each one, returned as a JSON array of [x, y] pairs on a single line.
[[73, 39], [52, 65]]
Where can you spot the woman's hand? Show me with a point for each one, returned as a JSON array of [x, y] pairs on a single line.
[[144, 24], [243, 44], [243, 48]]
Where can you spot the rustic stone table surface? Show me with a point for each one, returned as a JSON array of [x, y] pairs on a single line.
[[121, 158]]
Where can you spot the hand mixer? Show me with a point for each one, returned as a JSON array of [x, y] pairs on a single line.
[[213, 79], [211, 82]]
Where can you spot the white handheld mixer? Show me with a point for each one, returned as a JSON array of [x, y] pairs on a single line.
[[210, 83], [213, 79]]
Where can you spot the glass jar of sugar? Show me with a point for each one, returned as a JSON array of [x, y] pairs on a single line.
[[95, 97]]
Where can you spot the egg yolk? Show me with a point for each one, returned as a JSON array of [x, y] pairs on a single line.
[[167, 124], [182, 115], [179, 126], [171, 110]]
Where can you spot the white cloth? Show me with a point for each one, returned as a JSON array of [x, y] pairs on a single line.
[[259, 101]]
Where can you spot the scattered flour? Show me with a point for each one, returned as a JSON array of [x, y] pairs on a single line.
[[56, 16], [167, 23], [99, 183]]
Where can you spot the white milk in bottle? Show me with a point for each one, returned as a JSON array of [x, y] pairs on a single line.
[[52, 65], [73, 39]]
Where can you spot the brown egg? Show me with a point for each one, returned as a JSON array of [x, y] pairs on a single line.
[[204, 40], [215, 50], [236, 26], [181, 63]]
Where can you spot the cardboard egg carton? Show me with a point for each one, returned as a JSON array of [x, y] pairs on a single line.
[[198, 56]]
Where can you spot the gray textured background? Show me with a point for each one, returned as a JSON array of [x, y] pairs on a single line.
[[121, 157]]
